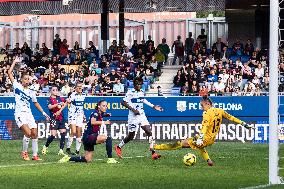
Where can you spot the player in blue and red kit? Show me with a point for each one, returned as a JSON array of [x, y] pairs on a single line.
[[56, 105], [93, 137]]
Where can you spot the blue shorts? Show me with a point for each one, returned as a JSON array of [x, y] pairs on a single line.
[[56, 124], [89, 141]]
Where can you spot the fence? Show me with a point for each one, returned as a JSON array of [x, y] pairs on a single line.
[[34, 31]]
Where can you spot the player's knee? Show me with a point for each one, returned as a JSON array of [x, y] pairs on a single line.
[[33, 135], [101, 139]]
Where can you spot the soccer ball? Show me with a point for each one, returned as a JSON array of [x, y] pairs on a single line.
[[189, 159]]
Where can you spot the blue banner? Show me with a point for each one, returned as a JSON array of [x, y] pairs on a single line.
[[175, 108]]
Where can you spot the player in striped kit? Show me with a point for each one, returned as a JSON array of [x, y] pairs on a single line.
[[76, 117], [134, 100], [23, 113]]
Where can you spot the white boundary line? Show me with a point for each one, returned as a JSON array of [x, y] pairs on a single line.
[[259, 186], [49, 163]]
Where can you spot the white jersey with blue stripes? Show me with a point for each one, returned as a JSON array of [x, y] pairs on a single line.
[[23, 98], [135, 99], [77, 103]]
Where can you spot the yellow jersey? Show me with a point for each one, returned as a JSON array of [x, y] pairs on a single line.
[[212, 119]]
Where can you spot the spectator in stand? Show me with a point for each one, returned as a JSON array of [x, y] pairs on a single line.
[[149, 41], [197, 47], [150, 51], [219, 86], [224, 56], [107, 86], [113, 47], [188, 44], [92, 49], [179, 79], [179, 50], [76, 46], [65, 90], [113, 76], [215, 54], [56, 45], [203, 38], [246, 72], [64, 49], [143, 47], [194, 88], [107, 68], [134, 48], [203, 91], [118, 88], [249, 48], [67, 60], [45, 50], [121, 46], [164, 47], [26, 49], [212, 77], [17, 48], [160, 57], [259, 71], [238, 48], [185, 89], [127, 53], [219, 45], [96, 88]]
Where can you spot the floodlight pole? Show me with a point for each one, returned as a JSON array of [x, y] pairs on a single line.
[[273, 93]]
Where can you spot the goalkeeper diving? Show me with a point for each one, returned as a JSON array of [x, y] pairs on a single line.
[[212, 119]]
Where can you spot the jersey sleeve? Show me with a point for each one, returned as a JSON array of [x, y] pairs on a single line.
[[33, 95], [72, 97], [16, 84], [128, 96], [205, 122], [231, 118]]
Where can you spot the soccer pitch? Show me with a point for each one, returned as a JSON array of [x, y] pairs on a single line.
[[237, 165]]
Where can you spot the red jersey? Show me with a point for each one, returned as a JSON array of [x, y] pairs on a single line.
[[52, 112]]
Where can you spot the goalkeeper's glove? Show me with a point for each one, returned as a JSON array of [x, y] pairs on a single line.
[[199, 141], [247, 126]]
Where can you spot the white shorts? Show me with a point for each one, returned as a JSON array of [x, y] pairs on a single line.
[[136, 121], [24, 118], [75, 119]]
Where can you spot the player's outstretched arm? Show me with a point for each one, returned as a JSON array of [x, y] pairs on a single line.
[[236, 120], [38, 106], [156, 107], [10, 71]]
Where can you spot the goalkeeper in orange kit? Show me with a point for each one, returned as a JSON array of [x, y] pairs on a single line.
[[212, 119]]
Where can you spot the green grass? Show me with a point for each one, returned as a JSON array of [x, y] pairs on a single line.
[[236, 165]]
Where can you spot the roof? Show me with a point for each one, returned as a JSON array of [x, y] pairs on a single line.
[[51, 7]]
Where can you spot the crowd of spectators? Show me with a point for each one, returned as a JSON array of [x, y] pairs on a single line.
[[239, 70], [101, 74]]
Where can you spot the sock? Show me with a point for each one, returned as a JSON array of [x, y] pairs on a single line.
[[169, 146], [109, 147], [35, 146], [151, 142], [121, 144], [204, 154], [26, 141], [78, 144], [69, 142], [78, 159], [62, 141], [49, 140]]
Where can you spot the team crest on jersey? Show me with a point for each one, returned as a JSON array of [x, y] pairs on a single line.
[[181, 106]]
